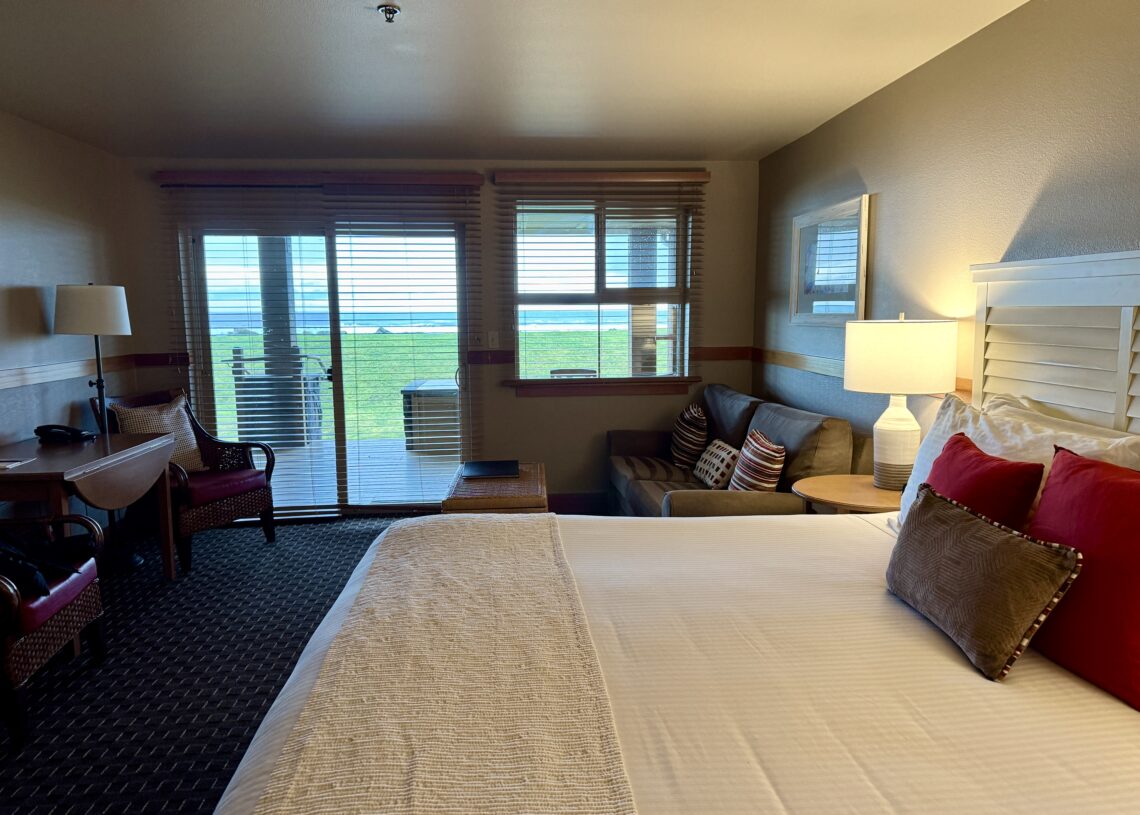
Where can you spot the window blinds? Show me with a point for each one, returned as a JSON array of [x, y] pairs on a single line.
[[601, 271], [325, 315]]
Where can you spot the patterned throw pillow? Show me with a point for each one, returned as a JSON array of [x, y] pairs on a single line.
[[759, 466], [987, 587], [690, 436], [716, 465], [169, 418]]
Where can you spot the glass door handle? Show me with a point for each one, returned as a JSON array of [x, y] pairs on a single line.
[[330, 373]]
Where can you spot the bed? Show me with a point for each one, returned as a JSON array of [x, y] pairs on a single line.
[[752, 664]]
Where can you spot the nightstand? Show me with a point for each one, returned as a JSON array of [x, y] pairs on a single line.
[[847, 493]]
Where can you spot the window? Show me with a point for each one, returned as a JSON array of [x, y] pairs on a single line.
[[603, 278]]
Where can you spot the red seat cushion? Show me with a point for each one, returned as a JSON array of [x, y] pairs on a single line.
[[37, 611], [1095, 633], [1000, 489], [209, 486]]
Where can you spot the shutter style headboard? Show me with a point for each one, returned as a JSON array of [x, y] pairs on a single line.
[[1063, 331]]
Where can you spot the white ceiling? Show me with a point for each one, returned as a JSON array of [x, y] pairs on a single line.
[[522, 79]]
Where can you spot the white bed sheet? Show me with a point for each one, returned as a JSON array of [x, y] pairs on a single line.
[[759, 665]]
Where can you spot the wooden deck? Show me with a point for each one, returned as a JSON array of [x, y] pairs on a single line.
[[380, 471]]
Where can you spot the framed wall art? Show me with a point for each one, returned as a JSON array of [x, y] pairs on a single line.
[[829, 263]]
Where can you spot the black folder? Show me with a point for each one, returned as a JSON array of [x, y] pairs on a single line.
[[491, 469]]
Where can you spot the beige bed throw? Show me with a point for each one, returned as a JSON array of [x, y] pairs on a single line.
[[463, 681]]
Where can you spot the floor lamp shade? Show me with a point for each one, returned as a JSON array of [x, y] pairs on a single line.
[[899, 357], [93, 310]]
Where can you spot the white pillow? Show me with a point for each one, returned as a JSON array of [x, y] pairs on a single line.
[[1020, 438], [1022, 407], [716, 465]]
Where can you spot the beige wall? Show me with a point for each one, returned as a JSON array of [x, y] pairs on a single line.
[[567, 433], [64, 218], [1021, 142], [72, 213]]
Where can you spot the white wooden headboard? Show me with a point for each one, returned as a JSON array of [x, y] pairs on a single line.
[[1063, 331]]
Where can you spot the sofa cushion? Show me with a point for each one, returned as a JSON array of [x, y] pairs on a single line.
[[814, 444], [646, 497], [626, 469], [37, 611], [759, 466], [209, 486], [690, 436], [729, 412], [717, 465]]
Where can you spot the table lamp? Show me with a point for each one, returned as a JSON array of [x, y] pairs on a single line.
[[899, 357], [98, 311]]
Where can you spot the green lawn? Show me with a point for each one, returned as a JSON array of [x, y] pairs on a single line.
[[377, 366]]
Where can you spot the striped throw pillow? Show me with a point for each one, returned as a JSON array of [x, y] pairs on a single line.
[[690, 436], [759, 466], [716, 465]]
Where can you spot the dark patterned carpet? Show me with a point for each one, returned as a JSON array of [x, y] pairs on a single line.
[[192, 668]]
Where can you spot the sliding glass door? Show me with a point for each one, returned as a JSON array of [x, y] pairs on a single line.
[[340, 350], [399, 354]]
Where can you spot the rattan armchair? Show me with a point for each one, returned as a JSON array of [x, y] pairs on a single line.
[[230, 488], [35, 629]]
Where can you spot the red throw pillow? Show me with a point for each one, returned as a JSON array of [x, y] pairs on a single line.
[[1000, 489], [1094, 506]]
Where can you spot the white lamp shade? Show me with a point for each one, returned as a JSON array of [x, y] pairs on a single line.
[[91, 310], [901, 356]]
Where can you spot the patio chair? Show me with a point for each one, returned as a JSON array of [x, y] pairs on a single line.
[[230, 488]]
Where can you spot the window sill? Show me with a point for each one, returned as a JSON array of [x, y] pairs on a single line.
[[634, 386]]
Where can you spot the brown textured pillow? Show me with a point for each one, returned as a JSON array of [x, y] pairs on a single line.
[[987, 587], [168, 418]]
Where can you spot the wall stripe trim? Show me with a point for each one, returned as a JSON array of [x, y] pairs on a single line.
[[76, 369], [825, 366], [829, 366]]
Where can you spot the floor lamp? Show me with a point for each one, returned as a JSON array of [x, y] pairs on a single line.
[[899, 357], [98, 311]]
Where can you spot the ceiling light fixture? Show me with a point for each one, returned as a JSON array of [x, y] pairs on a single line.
[[389, 10]]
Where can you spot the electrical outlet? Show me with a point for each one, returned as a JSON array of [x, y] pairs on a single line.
[[492, 339], [476, 340]]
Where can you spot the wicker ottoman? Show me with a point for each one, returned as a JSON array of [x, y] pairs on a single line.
[[526, 493]]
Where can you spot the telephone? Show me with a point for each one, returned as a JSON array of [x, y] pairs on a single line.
[[62, 434]]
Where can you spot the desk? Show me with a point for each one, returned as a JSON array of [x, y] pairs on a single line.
[[111, 472]]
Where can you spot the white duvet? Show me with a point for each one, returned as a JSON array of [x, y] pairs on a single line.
[[759, 665]]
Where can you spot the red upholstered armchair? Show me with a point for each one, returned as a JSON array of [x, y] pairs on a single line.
[[231, 487], [33, 629]]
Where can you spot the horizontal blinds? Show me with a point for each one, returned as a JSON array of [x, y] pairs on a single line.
[[600, 272], [836, 256], [328, 320]]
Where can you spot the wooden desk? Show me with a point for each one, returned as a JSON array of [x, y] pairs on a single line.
[[524, 493], [111, 472]]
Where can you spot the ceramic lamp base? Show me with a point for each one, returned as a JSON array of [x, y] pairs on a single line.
[[897, 436]]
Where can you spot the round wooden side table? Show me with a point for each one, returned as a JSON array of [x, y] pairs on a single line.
[[847, 493]]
